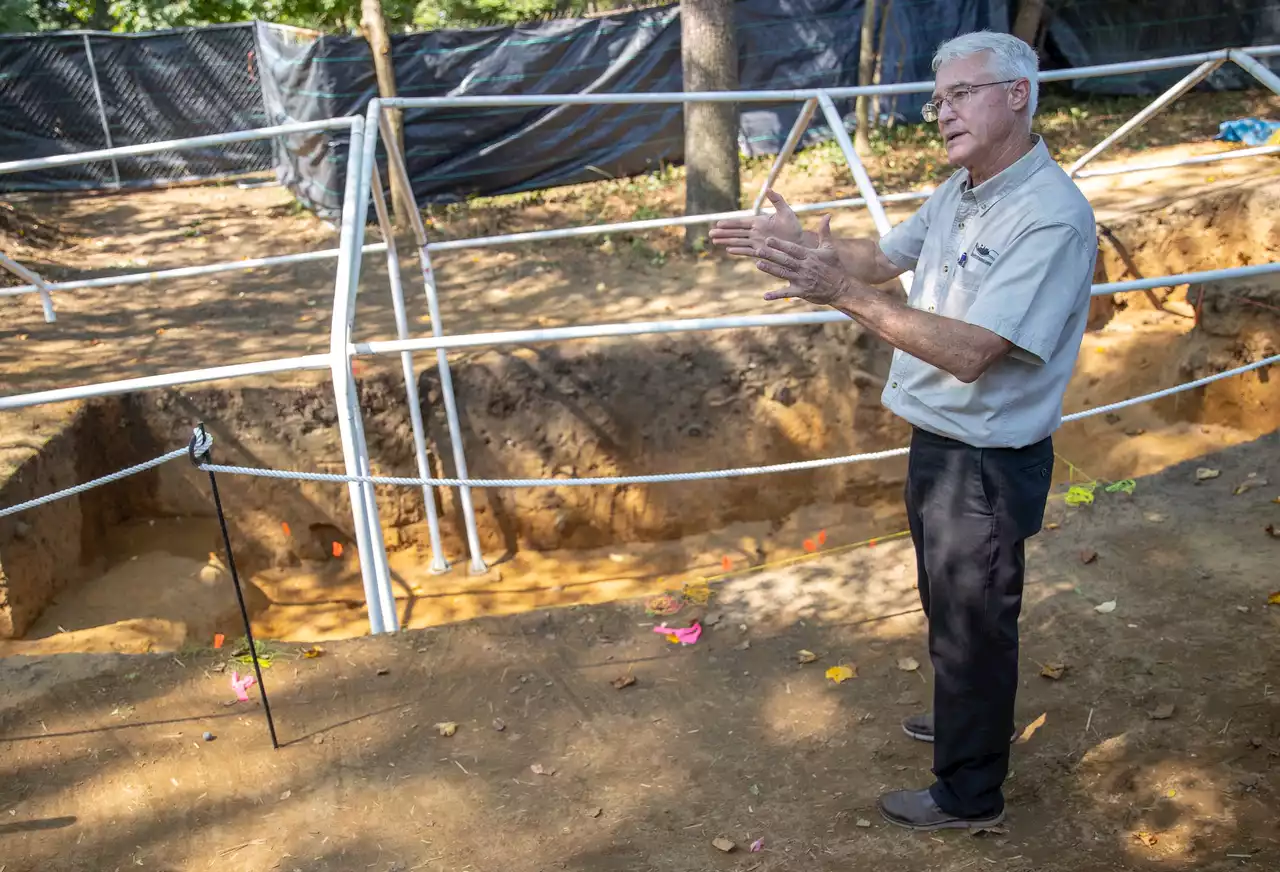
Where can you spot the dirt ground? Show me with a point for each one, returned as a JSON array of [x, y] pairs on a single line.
[[1158, 748]]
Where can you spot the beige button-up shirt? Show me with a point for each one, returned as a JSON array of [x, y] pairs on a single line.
[[1014, 255]]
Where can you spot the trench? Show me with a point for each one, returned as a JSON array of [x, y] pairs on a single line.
[[137, 565]]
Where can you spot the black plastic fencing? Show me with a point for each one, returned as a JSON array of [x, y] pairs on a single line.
[[63, 93], [197, 81]]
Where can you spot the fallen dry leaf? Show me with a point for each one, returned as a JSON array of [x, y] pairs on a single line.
[[1026, 734], [539, 769], [595, 812], [839, 674], [863, 822], [1162, 712], [623, 681], [1146, 838], [1105, 608], [1051, 526], [1204, 473], [312, 652], [286, 795], [805, 656], [1274, 599], [995, 831], [1249, 484], [1054, 671], [757, 846], [1088, 555], [723, 844], [908, 664], [499, 724], [446, 728]]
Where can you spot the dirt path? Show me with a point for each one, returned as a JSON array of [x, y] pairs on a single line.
[[1158, 749]]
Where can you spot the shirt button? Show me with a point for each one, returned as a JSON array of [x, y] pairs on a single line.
[[962, 225], [895, 385], [931, 308], [947, 268]]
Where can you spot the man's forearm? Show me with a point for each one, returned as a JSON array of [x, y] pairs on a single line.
[[964, 350], [861, 258]]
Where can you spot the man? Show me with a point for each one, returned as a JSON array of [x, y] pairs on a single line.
[[985, 343]]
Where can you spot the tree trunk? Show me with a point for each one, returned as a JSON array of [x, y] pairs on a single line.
[[866, 69], [101, 18], [374, 27], [709, 53], [1026, 26], [876, 107]]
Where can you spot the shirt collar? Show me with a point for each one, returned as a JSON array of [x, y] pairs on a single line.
[[995, 188]]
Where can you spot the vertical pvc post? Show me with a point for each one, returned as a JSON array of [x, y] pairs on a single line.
[[344, 382], [34, 278], [860, 177], [1185, 84], [395, 162], [438, 562], [102, 109], [1256, 68], [381, 568], [784, 153]]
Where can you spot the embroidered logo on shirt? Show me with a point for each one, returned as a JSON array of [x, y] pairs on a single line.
[[984, 254]]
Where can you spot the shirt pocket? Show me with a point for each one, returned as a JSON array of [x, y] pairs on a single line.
[[963, 290]]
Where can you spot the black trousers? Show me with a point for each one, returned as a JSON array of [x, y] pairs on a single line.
[[971, 510]]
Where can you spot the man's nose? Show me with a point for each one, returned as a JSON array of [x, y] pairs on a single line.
[[945, 111]]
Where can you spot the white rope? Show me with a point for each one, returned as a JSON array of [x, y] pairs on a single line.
[[1176, 389], [405, 481], [97, 482], [661, 478], [658, 478]]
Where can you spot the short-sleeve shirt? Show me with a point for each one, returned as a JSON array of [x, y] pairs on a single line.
[[1015, 255]]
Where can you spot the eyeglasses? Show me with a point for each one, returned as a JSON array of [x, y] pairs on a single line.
[[956, 98]]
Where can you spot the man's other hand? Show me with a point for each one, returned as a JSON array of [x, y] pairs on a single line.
[[745, 237]]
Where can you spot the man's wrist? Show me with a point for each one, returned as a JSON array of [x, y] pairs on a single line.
[[850, 296]]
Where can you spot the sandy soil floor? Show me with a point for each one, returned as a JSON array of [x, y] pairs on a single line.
[[1157, 748]]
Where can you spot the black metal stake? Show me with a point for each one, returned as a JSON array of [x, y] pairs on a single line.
[[201, 450]]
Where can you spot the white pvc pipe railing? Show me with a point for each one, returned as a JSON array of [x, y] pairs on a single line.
[[738, 322], [38, 285], [1189, 81], [82, 157], [185, 272], [1195, 160]]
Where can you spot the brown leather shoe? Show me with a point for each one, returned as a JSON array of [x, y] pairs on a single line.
[[916, 810]]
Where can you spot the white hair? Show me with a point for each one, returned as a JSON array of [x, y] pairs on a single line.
[[1010, 58]]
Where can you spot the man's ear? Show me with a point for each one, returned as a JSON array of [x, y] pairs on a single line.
[[1019, 95]]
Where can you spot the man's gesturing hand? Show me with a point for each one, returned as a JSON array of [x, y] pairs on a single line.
[[814, 274], [744, 236]]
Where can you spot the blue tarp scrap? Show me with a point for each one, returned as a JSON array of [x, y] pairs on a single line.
[[1250, 131]]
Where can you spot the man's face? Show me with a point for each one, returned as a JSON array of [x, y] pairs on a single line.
[[972, 125]]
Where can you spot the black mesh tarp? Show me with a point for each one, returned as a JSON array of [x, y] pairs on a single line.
[[1088, 32], [153, 87], [458, 153]]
